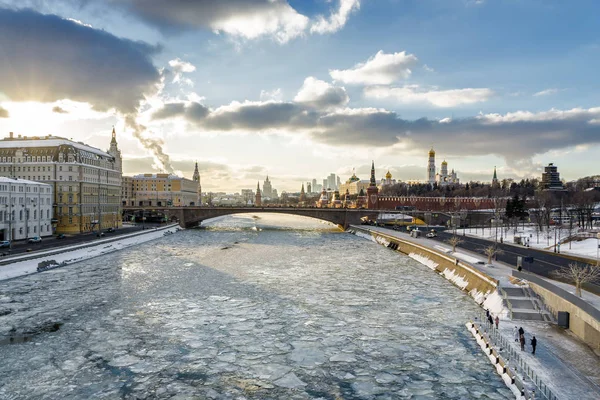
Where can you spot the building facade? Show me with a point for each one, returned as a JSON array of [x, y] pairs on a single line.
[[551, 178], [354, 185], [162, 190], [85, 181], [25, 209]]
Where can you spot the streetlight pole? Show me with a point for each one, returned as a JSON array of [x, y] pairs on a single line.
[[598, 249]]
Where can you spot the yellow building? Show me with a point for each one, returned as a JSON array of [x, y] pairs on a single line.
[[354, 185], [86, 181], [160, 190]]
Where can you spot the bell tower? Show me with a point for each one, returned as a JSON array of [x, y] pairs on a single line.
[[258, 197]]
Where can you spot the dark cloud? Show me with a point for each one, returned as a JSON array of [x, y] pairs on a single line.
[[4, 113], [47, 58], [246, 18], [59, 110], [515, 136], [193, 112]]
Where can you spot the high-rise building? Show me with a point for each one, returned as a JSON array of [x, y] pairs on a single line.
[[26, 209], [314, 186], [325, 185], [267, 190], [86, 181], [551, 178], [308, 187], [332, 182]]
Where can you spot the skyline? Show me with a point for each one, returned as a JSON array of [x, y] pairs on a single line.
[[243, 87]]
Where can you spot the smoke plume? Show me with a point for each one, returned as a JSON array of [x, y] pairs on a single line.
[[155, 146]]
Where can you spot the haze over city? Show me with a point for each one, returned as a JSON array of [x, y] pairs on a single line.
[[301, 89]]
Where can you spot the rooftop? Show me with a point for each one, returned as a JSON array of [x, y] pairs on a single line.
[[4, 179], [47, 141]]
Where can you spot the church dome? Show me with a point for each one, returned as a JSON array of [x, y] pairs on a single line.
[[388, 175], [353, 178], [444, 162], [432, 152]]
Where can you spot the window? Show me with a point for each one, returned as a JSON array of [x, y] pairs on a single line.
[[70, 178]]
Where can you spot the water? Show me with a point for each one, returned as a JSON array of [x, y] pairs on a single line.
[[253, 308]]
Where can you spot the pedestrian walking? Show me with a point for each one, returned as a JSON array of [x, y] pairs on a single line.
[[487, 314], [522, 340], [491, 320], [521, 331], [516, 334], [497, 320], [533, 344]]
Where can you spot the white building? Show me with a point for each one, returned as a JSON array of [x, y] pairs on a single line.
[[25, 209]]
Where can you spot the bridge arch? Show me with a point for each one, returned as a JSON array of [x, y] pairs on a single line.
[[189, 217]]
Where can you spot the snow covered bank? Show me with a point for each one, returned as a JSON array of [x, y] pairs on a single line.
[[25, 264]]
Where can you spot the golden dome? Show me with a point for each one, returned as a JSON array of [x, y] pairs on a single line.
[[444, 162], [388, 175], [432, 152]]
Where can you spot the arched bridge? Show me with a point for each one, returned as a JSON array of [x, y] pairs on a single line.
[[189, 217]]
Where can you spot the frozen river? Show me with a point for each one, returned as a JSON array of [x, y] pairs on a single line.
[[251, 308]]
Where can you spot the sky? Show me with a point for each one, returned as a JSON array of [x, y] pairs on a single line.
[[299, 89]]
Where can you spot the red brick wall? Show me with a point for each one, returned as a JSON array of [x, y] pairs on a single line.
[[440, 203]]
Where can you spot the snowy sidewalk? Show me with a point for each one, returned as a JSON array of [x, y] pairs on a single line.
[[563, 362]]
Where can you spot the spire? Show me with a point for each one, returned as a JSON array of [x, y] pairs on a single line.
[[495, 175], [373, 182], [114, 136], [258, 187], [302, 191], [196, 176]]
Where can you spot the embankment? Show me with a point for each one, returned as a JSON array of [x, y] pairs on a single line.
[[481, 287]]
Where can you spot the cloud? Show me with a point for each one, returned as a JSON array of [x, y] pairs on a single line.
[[192, 111], [248, 19], [52, 58], [515, 136], [59, 110], [4, 113], [319, 94], [381, 69], [274, 94], [546, 92], [180, 67], [337, 19], [439, 98]]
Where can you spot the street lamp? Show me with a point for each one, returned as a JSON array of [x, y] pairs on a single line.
[[598, 249]]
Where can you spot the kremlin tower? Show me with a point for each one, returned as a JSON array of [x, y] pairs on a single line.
[[372, 190], [258, 197]]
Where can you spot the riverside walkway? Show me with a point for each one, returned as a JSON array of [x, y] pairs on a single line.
[[565, 364]]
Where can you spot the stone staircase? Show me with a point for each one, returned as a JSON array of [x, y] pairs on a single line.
[[524, 304]]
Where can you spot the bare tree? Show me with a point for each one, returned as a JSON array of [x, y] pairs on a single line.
[[454, 241], [490, 252], [578, 274]]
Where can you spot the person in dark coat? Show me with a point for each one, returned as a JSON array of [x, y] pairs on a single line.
[[521, 331], [497, 320], [533, 344], [490, 320], [487, 314]]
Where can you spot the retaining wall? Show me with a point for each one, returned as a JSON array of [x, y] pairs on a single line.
[[476, 283], [584, 319]]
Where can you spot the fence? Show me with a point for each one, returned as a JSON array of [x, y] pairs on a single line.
[[514, 363]]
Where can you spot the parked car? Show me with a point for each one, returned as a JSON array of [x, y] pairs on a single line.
[[110, 230], [431, 235], [61, 236], [35, 239], [5, 243], [99, 234]]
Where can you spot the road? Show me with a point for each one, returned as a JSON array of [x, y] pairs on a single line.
[[543, 262], [50, 242]]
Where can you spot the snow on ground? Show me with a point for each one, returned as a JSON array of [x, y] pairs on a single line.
[[543, 240], [24, 264]]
